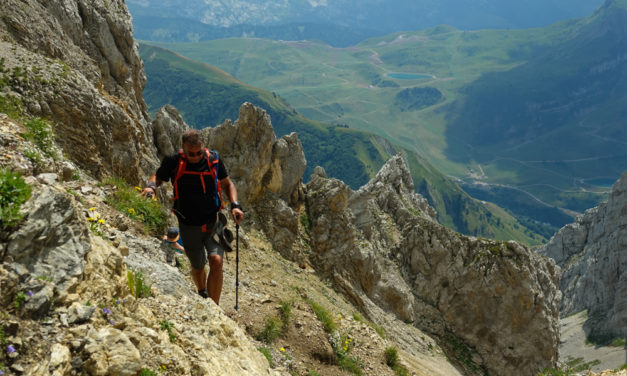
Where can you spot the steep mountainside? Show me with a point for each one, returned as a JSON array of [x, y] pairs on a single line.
[[76, 64], [206, 95], [593, 254], [561, 111]]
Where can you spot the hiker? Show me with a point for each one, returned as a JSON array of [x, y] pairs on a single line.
[[172, 244], [199, 177]]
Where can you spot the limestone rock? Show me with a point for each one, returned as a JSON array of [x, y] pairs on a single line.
[[381, 245], [79, 313], [258, 162], [593, 255], [53, 240], [81, 70], [110, 352], [168, 127]]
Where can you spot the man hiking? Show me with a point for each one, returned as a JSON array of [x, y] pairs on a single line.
[[199, 177]]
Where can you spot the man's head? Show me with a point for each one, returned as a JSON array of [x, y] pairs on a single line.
[[193, 145]]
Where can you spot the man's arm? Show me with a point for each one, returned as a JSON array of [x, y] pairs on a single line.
[[231, 192]]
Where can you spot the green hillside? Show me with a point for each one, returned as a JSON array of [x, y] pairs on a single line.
[[205, 96], [537, 113]]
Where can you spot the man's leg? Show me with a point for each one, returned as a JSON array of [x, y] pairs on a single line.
[[199, 276], [214, 280], [193, 238]]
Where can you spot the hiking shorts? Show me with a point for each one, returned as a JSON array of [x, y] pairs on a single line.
[[199, 244]]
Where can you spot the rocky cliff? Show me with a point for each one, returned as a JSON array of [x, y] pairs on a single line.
[[75, 63], [593, 255], [493, 305]]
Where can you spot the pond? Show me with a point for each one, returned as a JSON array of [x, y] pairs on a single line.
[[409, 76]]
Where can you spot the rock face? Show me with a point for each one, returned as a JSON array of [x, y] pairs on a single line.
[[168, 127], [75, 63], [593, 255], [267, 171], [494, 305]]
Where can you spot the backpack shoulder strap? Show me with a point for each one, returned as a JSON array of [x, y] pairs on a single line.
[[180, 170], [213, 162]]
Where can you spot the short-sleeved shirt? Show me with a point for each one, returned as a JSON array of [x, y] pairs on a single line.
[[196, 205]]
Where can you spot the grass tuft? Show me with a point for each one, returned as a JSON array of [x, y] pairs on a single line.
[[138, 287], [271, 330]]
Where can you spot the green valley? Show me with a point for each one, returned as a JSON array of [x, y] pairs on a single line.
[[536, 113], [206, 96]]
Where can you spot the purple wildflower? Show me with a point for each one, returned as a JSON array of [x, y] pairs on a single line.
[[1, 373], [117, 301], [30, 293], [111, 322], [10, 349], [106, 311]]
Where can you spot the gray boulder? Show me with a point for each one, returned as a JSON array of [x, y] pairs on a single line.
[[53, 240]]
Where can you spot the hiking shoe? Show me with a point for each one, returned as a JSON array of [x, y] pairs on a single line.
[[203, 293]]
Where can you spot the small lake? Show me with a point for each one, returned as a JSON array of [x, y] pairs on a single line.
[[409, 76]]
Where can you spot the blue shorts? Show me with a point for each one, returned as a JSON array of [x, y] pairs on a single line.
[[199, 244]]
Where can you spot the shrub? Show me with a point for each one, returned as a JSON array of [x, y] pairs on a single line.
[[11, 106], [168, 326], [39, 131], [127, 200], [392, 360], [13, 193]]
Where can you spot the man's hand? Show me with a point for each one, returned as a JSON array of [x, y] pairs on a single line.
[[238, 215], [148, 192]]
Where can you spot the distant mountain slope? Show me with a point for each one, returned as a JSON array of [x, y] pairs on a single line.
[[561, 114], [383, 15], [206, 96]]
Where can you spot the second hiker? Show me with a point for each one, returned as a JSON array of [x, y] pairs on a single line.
[[199, 177]]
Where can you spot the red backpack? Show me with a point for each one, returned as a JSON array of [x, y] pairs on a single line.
[[212, 161]]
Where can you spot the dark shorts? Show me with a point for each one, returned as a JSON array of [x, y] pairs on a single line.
[[196, 242]]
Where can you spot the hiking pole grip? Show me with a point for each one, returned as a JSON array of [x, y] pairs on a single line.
[[236, 267]]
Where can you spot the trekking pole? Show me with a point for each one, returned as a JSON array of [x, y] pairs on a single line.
[[236, 266]]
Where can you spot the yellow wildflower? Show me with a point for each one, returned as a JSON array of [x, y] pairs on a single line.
[[138, 189], [91, 219], [131, 211], [92, 209], [101, 221], [282, 349]]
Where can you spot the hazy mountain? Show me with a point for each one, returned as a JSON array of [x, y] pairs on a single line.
[[153, 19]]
